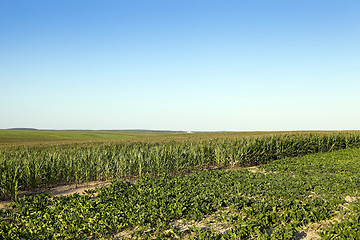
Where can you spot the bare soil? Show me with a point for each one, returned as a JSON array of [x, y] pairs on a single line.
[[62, 190]]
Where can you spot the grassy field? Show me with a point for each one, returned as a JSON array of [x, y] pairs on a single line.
[[40, 137], [33, 137]]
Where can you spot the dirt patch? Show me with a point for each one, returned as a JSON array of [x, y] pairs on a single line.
[[4, 204], [62, 190], [306, 235], [349, 199], [123, 234], [76, 188], [184, 226], [207, 223], [254, 169]]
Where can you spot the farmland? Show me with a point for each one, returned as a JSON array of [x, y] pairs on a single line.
[[43, 137], [24, 137], [187, 186]]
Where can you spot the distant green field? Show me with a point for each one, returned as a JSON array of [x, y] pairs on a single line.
[[34, 137], [39, 136]]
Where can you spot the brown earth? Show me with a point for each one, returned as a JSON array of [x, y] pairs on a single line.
[[62, 190]]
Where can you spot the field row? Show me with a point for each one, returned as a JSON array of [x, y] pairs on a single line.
[[31, 167], [281, 200]]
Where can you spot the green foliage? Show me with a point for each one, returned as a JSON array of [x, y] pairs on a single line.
[[31, 167], [9, 179], [349, 228], [28, 136], [275, 205]]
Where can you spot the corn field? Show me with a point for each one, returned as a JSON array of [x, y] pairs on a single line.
[[23, 168]]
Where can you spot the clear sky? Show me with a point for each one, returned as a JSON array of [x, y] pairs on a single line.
[[234, 65]]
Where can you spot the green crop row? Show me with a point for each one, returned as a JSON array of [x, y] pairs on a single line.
[[31, 167], [275, 205]]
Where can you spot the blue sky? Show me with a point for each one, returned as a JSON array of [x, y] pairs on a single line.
[[180, 65]]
